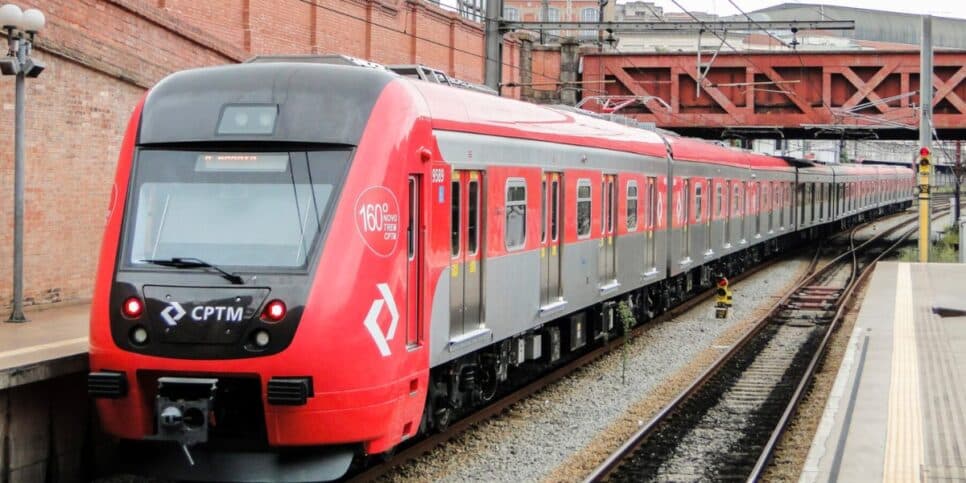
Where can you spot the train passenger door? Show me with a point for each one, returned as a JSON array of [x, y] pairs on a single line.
[[466, 270], [686, 215], [709, 183], [414, 254], [770, 201], [729, 212], [550, 220], [651, 213], [607, 264], [759, 201]]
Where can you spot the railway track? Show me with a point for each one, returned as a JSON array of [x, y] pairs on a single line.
[[726, 425], [428, 443], [381, 467]]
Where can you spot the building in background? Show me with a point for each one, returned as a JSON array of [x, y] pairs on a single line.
[[561, 11]]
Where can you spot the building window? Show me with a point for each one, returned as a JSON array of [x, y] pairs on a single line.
[[589, 15], [511, 14], [553, 15], [516, 214], [631, 205], [583, 208]]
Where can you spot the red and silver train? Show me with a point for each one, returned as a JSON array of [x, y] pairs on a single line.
[[305, 263]]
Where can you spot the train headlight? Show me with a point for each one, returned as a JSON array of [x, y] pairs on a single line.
[[139, 335], [274, 311], [261, 338], [132, 308]]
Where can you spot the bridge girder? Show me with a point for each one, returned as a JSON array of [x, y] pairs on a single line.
[[789, 94]]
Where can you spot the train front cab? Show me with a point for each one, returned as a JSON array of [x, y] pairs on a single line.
[[256, 305]]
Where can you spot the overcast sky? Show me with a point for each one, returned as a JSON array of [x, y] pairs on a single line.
[[944, 8]]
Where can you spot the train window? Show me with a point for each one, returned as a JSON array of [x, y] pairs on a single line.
[[719, 199], [631, 205], [611, 205], [554, 200], [686, 203], [697, 203], [516, 214], [821, 201], [473, 217], [758, 215], [651, 202], [801, 202], [411, 221], [736, 200], [543, 210], [455, 219], [603, 206], [288, 195], [583, 208], [811, 200]]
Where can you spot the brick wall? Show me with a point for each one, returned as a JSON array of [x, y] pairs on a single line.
[[101, 55]]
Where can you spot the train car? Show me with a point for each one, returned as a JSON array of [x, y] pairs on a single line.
[[305, 263]]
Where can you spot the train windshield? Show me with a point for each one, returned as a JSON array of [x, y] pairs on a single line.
[[229, 208]]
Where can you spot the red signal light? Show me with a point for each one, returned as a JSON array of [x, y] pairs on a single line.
[[924, 151], [132, 308], [274, 311], [723, 282]]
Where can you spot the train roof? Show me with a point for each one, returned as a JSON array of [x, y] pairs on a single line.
[[468, 111], [700, 150]]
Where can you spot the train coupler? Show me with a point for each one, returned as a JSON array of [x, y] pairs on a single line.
[[183, 410]]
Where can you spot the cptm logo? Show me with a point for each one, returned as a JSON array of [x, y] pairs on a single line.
[[174, 312], [372, 319]]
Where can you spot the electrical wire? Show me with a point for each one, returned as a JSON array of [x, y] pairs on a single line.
[[412, 35], [759, 25]]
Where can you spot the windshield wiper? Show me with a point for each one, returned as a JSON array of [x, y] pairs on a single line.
[[182, 262]]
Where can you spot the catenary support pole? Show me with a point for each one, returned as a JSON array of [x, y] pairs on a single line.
[[494, 44], [925, 133]]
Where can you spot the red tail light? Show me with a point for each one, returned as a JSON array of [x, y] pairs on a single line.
[[274, 311], [132, 308]]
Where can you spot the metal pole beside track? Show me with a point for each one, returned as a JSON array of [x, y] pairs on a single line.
[[494, 45], [925, 133]]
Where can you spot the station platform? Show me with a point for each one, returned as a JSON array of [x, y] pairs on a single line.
[[53, 342], [897, 410]]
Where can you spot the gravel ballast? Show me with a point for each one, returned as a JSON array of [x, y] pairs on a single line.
[[566, 429]]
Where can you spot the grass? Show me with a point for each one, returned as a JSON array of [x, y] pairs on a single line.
[[943, 251]]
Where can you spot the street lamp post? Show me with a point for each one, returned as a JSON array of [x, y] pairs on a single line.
[[20, 27]]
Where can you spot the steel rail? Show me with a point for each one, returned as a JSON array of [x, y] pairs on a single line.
[[846, 304], [430, 442], [618, 456]]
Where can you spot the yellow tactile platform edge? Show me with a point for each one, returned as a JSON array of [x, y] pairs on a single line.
[[904, 452]]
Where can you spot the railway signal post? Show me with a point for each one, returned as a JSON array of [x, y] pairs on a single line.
[[722, 299], [924, 162], [925, 135]]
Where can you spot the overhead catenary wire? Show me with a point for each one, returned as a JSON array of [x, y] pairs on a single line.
[[759, 25], [364, 20]]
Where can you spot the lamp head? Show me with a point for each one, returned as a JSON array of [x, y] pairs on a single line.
[[10, 16], [33, 21]]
